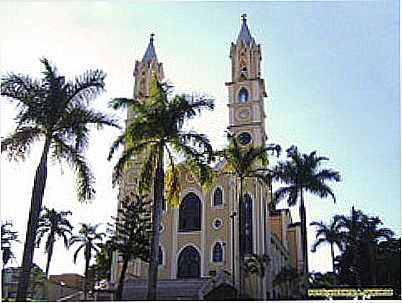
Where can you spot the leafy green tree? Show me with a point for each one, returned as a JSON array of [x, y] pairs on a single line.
[[103, 260], [89, 240], [347, 263], [330, 234], [288, 277], [302, 173], [157, 131], [8, 236], [131, 235], [38, 281], [245, 162], [55, 225], [56, 111], [363, 237], [255, 264], [322, 280], [389, 264]]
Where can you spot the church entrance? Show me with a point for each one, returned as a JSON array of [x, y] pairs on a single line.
[[189, 264]]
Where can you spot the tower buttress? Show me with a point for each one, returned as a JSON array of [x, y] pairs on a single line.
[[246, 89]]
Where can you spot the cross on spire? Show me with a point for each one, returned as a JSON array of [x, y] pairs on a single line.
[[150, 53], [244, 18]]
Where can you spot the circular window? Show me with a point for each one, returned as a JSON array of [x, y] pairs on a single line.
[[244, 138], [217, 224]]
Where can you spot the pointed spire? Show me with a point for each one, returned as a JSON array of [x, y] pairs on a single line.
[[150, 53], [244, 34]]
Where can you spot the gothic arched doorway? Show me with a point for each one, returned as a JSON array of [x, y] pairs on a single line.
[[189, 264]]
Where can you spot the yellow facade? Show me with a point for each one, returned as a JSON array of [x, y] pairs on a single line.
[[246, 92]]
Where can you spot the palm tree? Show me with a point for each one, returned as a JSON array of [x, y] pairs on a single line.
[[8, 236], [331, 234], [302, 173], [364, 235], [245, 162], [131, 235], [158, 128], [55, 225], [372, 235], [90, 240], [55, 110]]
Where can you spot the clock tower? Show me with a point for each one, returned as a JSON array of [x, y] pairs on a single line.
[[246, 90]]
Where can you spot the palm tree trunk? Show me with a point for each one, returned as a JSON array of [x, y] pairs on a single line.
[[356, 270], [335, 282], [372, 265], [333, 257], [241, 256], [49, 256], [87, 259], [119, 291], [34, 213], [302, 212], [156, 221]]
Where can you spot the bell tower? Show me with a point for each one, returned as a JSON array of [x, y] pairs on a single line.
[[246, 89], [143, 71]]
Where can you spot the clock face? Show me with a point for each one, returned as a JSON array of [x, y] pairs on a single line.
[[244, 114], [244, 138]]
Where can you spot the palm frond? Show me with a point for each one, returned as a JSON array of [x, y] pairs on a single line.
[[317, 243], [18, 144], [85, 179], [21, 88], [118, 103], [148, 168], [115, 145], [77, 252], [132, 152], [86, 88], [328, 175]]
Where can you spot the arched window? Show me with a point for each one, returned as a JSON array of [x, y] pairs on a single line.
[[243, 68], [247, 225], [190, 213], [243, 95], [217, 252], [160, 256], [189, 263], [218, 197]]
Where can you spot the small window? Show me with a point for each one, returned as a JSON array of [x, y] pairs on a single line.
[[243, 95], [245, 138], [218, 197], [160, 256], [217, 253], [217, 224]]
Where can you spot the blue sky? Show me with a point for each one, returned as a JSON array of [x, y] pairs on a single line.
[[331, 69]]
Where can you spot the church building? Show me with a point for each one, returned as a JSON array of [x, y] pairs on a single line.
[[199, 253]]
